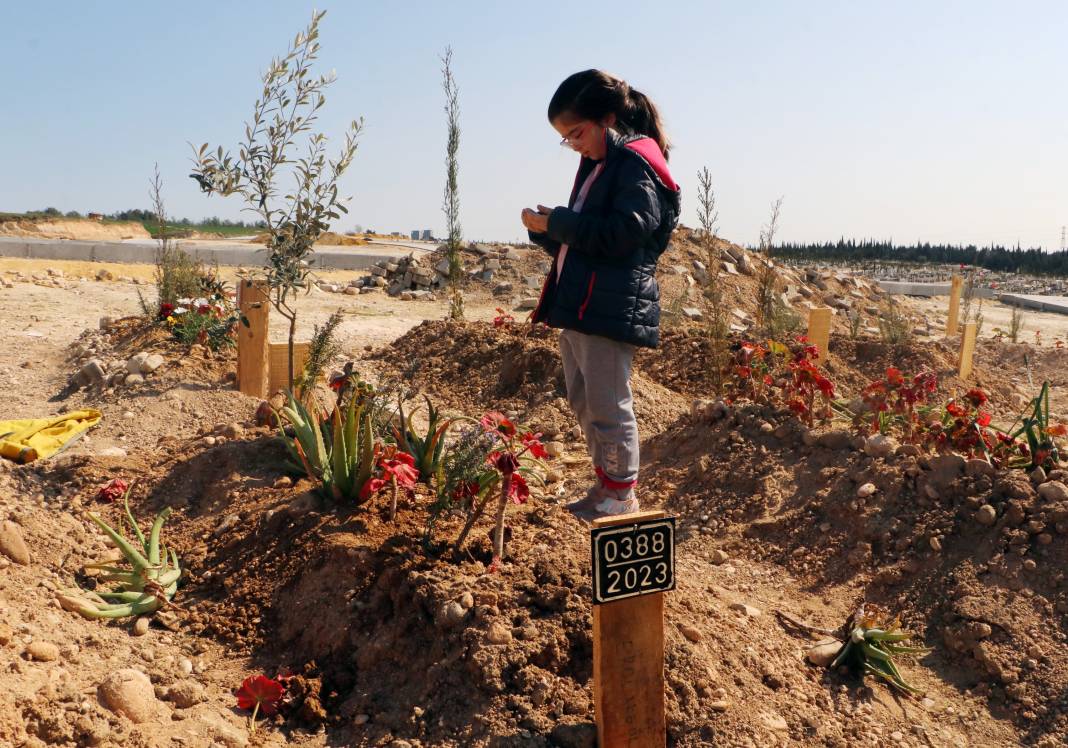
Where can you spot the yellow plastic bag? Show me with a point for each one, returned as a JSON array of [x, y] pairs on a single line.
[[29, 439]]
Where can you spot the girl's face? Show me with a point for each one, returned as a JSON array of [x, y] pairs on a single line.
[[583, 135]]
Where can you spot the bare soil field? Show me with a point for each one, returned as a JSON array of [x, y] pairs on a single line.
[[388, 640]]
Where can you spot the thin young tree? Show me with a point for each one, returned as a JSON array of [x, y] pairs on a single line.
[[451, 204], [766, 278], [296, 216], [717, 318]]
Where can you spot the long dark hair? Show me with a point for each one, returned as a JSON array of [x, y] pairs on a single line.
[[594, 94]]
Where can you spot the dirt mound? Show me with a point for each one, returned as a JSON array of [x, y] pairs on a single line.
[[474, 366], [973, 555], [72, 228]]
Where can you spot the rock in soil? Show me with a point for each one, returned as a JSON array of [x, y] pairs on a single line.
[[42, 651], [129, 692], [823, 653], [11, 543]]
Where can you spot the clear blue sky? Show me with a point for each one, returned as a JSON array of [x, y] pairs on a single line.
[[939, 121]]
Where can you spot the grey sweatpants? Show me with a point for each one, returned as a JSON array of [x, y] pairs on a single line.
[[597, 374]]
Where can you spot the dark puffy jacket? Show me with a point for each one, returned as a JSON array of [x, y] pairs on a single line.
[[607, 286]]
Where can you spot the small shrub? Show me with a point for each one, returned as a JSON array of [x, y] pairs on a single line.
[[895, 330], [873, 645], [1015, 324], [322, 349]]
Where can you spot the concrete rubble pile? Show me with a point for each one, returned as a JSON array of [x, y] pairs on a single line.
[[416, 277]]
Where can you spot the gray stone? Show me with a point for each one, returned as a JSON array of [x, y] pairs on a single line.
[[132, 379], [879, 445], [837, 439], [450, 615], [691, 312], [946, 468], [690, 632], [866, 490], [491, 264], [105, 323], [352, 291], [1053, 490], [93, 372], [533, 281], [151, 363], [502, 288], [526, 304], [134, 364], [442, 267], [976, 467]]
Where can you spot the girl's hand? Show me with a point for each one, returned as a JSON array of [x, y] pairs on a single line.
[[536, 222]]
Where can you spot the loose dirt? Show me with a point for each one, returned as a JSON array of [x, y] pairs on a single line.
[[394, 640]]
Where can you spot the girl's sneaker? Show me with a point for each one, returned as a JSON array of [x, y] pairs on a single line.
[[587, 502], [611, 504]]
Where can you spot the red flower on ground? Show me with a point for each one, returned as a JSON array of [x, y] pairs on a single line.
[[165, 310], [518, 490], [894, 375], [533, 444], [983, 419], [976, 397], [496, 422], [505, 462], [259, 693], [956, 410], [826, 386], [114, 489], [1057, 429], [399, 465], [371, 487]]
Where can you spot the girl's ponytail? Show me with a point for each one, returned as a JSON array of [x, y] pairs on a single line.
[[593, 95], [641, 116]]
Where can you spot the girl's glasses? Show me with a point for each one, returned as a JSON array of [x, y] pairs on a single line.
[[573, 137]]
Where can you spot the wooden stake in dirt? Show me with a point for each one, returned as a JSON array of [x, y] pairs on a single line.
[[819, 329], [967, 350], [252, 348], [633, 565], [953, 319]]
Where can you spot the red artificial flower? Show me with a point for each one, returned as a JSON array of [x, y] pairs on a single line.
[[400, 466], [259, 693], [503, 318], [204, 309], [826, 386], [744, 372], [114, 489], [768, 380], [1057, 429], [799, 407], [496, 422], [533, 444], [371, 487], [466, 490], [337, 382], [976, 397], [165, 310], [505, 462], [983, 419], [518, 490], [955, 410], [894, 376]]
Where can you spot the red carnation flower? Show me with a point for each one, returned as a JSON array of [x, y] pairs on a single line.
[[259, 693], [495, 422]]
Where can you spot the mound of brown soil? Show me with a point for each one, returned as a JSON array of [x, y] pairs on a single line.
[[72, 228], [473, 367], [973, 557]]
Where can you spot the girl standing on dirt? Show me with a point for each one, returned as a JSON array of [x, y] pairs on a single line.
[[601, 289]]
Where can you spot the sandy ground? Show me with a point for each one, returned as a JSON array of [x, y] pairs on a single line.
[[998, 316]]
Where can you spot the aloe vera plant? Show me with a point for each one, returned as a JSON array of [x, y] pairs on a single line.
[[874, 644], [427, 450], [342, 459], [148, 585]]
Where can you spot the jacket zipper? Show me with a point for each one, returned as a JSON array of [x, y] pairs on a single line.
[[589, 294]]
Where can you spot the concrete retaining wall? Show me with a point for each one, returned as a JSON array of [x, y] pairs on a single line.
[[1057, 304], [360, 258], [904, 288]]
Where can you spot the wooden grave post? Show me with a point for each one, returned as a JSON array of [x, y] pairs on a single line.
[[953, 318], [819, 330], [252, 341], [634, 564], [967, 350]]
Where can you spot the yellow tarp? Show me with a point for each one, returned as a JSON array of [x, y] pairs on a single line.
[[28, 439]]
